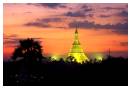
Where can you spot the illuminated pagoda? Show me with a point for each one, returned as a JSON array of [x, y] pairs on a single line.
[[76, 50]]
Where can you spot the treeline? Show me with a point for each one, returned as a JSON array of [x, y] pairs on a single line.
[[112, 71]]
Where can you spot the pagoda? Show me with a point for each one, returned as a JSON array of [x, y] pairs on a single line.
[[76, 51]]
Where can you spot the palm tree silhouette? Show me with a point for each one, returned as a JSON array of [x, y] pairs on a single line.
[[29, 50]]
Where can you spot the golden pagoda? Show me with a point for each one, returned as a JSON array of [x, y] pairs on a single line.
[[76, 50]]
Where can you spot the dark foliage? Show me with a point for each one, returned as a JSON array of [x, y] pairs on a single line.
[[109, 72], [28, 51]]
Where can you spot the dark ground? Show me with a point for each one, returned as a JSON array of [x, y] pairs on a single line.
[[111, 72]]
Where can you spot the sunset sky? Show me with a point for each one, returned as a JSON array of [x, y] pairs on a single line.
[[100, 27]]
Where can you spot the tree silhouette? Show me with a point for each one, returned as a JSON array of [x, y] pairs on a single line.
[[29, 50]]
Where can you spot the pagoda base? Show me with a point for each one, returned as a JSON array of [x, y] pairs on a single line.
[[79, 57]]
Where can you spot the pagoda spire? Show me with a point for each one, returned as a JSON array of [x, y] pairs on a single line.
[[76, 40], [76, 33], [76, 29]]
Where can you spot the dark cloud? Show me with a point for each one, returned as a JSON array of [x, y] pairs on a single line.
[[82, 24], [83, 11], [87, 24], [43, 22], [113, 8], [50, 20], [86, 8], [124, 43], [104, 16], [49, 5], [37, 24], [120, 31], [119, 27], [123, 14], [75, 14]]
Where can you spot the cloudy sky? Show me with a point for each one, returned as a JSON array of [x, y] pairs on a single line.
[[100, 27]]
